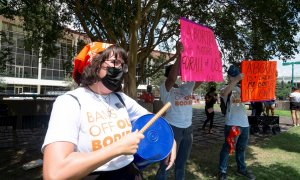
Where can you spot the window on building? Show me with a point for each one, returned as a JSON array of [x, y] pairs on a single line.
[[27, 72], [19, 71], [49, 74], [29, 89], [18, 89], [34, 72], [51, 63], [35, 61], [19, 59], [62, 74], [20, 43], [56, 64], [56, 75], [27, 61]]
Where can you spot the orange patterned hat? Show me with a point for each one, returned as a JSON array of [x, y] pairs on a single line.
[[85, 57]]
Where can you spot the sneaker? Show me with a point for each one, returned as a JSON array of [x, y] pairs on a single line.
[[222, 176], [247, 174]]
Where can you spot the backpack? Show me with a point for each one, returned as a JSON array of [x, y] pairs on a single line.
[[223, 104]]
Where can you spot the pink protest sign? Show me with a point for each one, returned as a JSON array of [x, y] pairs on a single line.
[[200, 60]]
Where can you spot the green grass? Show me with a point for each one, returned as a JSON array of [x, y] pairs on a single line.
[[285, 113], [277, 157], [278, 112]]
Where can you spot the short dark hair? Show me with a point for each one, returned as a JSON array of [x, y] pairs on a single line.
[[212, 89], [233, 71], [149, 88], [167, 70]]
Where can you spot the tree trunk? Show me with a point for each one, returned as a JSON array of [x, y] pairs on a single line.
[[132, 61], [132, 57]]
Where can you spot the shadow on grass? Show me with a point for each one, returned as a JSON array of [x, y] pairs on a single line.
[[203, 163], [11, 165], [288, 141], [275, 171], [25, 147]]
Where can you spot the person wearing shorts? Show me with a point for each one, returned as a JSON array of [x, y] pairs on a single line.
[[270, 105], [295, 105]]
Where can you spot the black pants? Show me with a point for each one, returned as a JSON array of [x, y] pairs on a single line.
[[209, 118], [129, 172]]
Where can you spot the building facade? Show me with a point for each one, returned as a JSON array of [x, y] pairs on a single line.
[[288, 79], [25, 73]]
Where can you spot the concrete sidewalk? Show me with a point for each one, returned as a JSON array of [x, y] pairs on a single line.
[[33, 138]]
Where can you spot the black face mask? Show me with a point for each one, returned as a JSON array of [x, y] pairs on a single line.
[[113, 79]]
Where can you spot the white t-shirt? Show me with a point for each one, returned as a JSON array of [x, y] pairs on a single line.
[[181, 112], [97, 122], [236, 114], [295, 97]]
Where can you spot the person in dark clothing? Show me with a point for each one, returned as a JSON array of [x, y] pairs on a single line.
[[210, 100], [257, 108]]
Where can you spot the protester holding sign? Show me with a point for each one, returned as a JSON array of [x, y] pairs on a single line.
[[236, 116], [179, 116]]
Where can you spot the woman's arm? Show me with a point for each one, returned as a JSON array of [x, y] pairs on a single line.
[[61, 162], [233, 82], [170, 160], [172, 77], [197, 84]]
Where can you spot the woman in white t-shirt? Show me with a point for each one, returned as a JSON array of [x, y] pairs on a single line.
[[89, 134], [295, 105]]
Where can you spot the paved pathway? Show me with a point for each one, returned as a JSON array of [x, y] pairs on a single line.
[[33, 138], [203, 138]]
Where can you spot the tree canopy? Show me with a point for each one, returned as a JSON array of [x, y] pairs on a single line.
[[245, 29]]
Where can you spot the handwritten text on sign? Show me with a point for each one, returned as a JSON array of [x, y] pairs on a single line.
[[259, 80], [200, 60]]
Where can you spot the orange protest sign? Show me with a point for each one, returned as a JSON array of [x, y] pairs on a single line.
[[259, 80]]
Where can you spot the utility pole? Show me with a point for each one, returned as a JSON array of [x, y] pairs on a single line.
[[291, 63]]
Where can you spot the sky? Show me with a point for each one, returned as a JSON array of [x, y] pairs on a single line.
[[287, 70]]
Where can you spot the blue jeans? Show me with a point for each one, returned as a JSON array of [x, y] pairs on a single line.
[[184, 140], [240, 146]]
